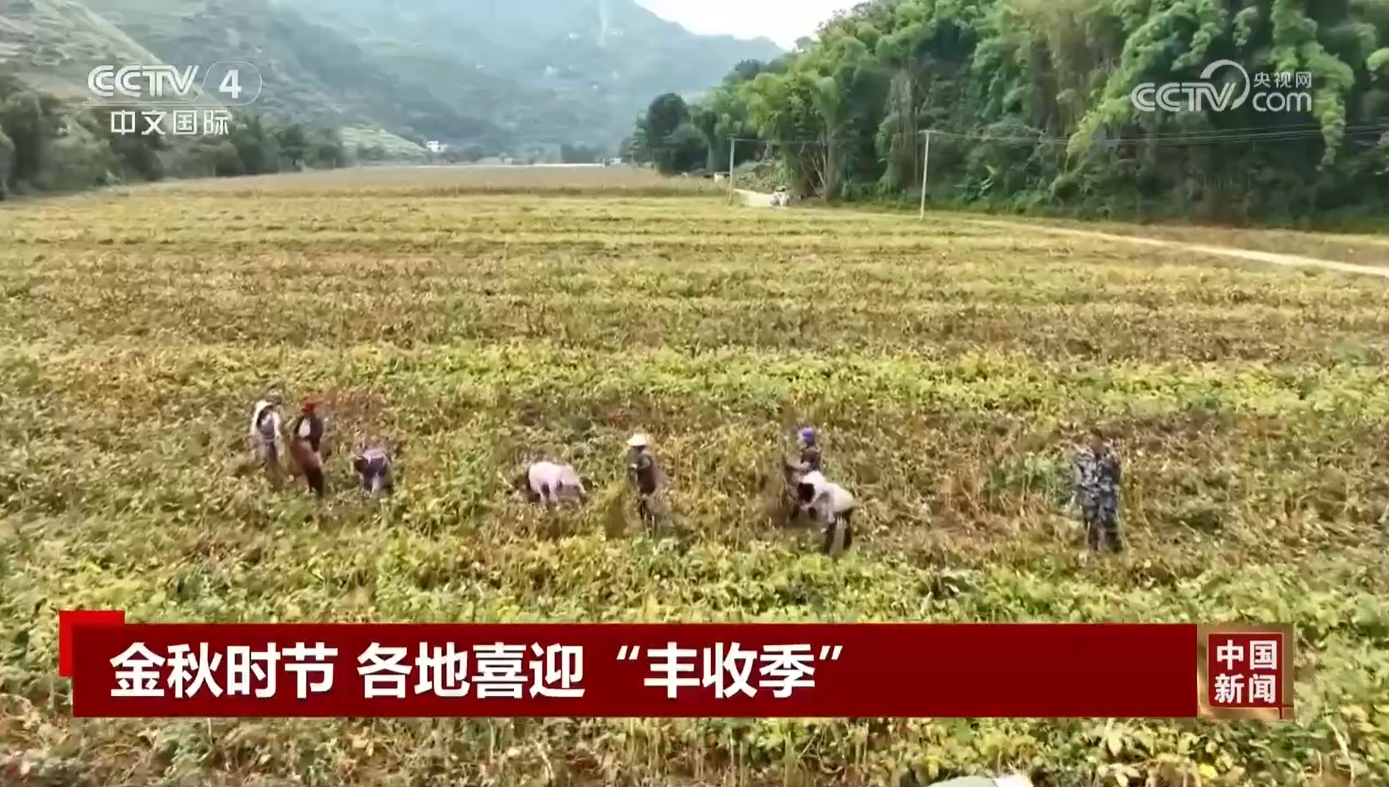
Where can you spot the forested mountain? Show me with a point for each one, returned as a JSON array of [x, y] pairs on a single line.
[[1028, 104], [606, 57], [497, 75]]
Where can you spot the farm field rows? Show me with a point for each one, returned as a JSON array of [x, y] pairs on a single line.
[[483, 319]]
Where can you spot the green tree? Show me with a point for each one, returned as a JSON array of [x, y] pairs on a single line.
[[256, 147], [1028, 106], [669, 139], [217, 157], [371, 153], [31, 121], [293, 144], [326, 149], [136, 155], [579, 154]]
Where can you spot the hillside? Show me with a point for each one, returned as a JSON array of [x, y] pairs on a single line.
[[499, 75], [53, 44], [614, 54]]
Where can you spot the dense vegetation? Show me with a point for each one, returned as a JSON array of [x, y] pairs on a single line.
[[1028, 105], [47, 145], [946, 362]]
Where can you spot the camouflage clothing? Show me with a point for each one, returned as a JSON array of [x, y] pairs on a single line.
[[1097, 480]]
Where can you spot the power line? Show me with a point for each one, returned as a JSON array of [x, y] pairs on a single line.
[[1163, 140], [1220, 136]]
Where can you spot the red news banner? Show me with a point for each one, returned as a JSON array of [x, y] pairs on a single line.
[[121, 669]]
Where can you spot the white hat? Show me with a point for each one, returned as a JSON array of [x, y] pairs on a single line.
[[1013, 780], [637, 441]]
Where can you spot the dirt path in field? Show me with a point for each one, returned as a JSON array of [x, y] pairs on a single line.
[[1289, 260], [760, 200]]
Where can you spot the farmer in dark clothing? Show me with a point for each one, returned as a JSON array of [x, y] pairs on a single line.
[[306, 444], [809, 463], [373, 466], [1097, 481], [810, 451], [644, 473]]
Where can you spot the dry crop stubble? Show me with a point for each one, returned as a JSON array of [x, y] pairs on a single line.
[[944, 362]]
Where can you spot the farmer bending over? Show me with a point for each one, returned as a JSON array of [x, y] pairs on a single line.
[[549, 483], [373, 466], [830, 503]]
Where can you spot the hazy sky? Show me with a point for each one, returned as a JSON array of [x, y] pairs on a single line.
[[783, 21]]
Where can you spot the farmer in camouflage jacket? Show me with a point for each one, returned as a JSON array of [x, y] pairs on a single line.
[[1097, 480]]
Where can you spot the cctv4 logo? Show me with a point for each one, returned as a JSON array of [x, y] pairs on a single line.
[[166, 84]]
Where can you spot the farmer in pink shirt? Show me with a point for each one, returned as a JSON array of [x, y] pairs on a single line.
[[549, 483]]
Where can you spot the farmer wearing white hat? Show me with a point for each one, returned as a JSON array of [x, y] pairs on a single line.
[[644, 474], [265, 431]]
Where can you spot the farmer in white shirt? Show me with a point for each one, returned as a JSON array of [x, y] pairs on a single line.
[[829, 503], [265, 431], [549, 482], [373, 466]]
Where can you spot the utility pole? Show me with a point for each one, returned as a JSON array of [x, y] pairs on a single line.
[[925, 166], [732, 151]]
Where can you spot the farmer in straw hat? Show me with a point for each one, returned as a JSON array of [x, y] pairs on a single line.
[[306, 444], [644, 474], [266, 425]]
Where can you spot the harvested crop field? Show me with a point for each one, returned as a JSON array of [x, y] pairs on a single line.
[[947, 365]]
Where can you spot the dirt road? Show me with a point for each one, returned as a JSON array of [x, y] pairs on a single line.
[[1290, 260], [758, 199]]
